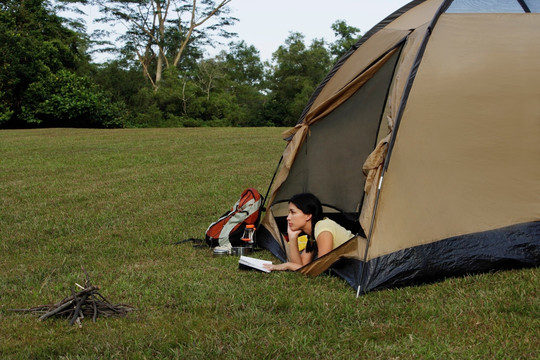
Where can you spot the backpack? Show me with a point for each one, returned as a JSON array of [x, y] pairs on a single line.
[[228, 229]]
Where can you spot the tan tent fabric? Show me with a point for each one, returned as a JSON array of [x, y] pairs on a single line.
[[288, 158], [373, 165], [372, 168], [404, 66], [467, 152], [419, 15], [376, 45], [379, 44], [355, 247], [335, 101]]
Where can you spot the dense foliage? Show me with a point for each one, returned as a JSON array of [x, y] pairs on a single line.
[[297, 71], [39, 84], [159, 77]]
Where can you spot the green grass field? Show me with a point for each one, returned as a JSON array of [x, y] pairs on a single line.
[[116, 201]]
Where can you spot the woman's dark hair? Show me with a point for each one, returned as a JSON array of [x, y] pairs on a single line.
[[309, 204]]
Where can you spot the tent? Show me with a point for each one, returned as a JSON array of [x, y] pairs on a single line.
[[424, 139]]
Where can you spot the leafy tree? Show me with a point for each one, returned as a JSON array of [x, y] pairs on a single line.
[[222, 91], [195, 99], [161, 32], [39, 57], [67, 100], [296, 72], [33, 43], [244, 79], [124, 84], [347, 37]]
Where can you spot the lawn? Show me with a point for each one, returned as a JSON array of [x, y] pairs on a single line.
[[116, 201]]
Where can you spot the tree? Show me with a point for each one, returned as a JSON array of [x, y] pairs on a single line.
[[243, 78], [296, 72], [36, 49], [221, 91], [67, 100], [160, 32], [122, 81], [346, 38]]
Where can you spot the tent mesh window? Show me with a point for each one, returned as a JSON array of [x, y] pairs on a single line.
[[493, 6], [329, 163]]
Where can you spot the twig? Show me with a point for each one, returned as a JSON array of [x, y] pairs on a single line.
[[58, 309], [95, 310], [78, 309]]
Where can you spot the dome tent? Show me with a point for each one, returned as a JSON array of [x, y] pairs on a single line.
[[424, 140]]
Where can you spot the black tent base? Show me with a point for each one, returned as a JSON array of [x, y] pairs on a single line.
[[512, 247]]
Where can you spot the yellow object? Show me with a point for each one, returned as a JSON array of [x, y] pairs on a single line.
[[302, 241]]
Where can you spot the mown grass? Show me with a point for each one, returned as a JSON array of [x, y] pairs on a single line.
[[116, 201]]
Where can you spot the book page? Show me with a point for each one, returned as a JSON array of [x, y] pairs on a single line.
[[254, 263]]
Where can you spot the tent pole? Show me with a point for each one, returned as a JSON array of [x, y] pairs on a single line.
[[364, 261], [445, 4], [524, 6], [442, 8], [271, 182]]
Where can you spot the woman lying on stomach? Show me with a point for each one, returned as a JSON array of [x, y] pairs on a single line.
[[324, 235]]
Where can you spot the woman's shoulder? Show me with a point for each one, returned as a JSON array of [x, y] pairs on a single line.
[[326, 221], [325, 224], [339, 233]]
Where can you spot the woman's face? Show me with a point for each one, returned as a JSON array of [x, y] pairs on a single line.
[[297, 220]]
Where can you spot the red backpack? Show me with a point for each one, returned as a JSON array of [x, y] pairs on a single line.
[[228, 229]]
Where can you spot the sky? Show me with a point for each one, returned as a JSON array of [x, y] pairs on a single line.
[[267, 24]]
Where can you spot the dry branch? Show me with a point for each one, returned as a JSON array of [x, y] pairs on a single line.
[[86, 303]]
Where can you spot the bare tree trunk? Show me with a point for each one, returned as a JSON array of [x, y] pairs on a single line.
[[162, 61], [193, 24], [148, 19], [159, 70], [184, 100]]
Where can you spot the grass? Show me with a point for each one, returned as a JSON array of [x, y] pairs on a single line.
[[116, 201]]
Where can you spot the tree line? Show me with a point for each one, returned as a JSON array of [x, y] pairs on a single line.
[[159, 76]]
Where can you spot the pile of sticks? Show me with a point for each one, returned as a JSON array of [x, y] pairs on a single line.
[[86, 303]]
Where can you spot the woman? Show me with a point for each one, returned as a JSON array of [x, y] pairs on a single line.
[[306, 217]]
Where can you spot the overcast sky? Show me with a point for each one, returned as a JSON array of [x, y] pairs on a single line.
[[267, 24]]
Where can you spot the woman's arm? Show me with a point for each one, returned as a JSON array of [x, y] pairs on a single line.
[[325, 243], [296, 259], [294, 253], [293, 266]]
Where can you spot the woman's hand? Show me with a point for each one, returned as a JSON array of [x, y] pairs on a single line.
[[283, 267], [293, 234]]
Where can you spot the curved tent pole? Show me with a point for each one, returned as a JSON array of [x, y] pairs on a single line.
[[524, 6], [410, 81]]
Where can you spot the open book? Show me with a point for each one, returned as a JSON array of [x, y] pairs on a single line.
[[249, 263]]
